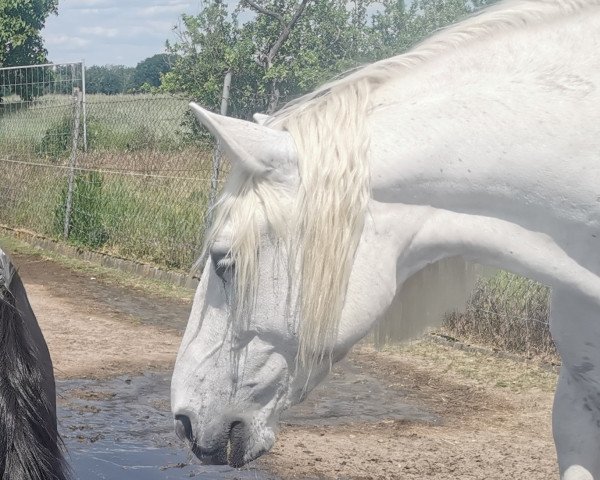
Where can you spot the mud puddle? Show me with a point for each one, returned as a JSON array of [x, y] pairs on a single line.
[[122, 429]]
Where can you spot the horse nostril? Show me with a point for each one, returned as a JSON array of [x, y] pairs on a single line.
[[183, 428], [237, 444]]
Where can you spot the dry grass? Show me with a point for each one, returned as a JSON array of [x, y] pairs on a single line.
[[478, 367], [507, 312]]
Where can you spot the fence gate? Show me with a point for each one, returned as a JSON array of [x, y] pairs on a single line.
[[42, 126]]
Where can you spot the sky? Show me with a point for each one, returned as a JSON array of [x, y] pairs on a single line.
[[118, 32]]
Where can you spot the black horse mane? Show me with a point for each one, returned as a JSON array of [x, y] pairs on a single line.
[[30, 447]]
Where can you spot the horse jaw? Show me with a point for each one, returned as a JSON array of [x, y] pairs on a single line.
[[257, 149]]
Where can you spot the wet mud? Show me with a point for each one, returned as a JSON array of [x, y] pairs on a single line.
[[122, 428], [353, 395]]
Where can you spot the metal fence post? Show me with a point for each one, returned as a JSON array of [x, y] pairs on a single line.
[[84, 105], [73, 161]]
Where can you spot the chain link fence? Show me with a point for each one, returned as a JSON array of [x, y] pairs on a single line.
[[508, 312], [122, 174]]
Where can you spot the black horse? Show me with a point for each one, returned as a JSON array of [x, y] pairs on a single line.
[[30, 446]]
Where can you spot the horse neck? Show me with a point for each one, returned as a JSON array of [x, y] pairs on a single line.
[[493, 130]]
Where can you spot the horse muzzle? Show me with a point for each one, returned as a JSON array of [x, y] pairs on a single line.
[[225, 444]]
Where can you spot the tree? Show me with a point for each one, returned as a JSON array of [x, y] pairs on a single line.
[[329, 37], [289, 47], [148, 72], [267, 56], [209, 46], [20, 42], [273, 57], [108, 79], [397, 27]]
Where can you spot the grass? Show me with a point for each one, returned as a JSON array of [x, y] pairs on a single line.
[[125, 122], [508, 312], [115, 122], [479, 367], [147, 218], [105, 274], [151, 184]]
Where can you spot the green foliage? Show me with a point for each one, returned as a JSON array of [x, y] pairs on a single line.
[[330, 37], [397, 27], [147, 74], [307, 59], [213, 43], [208, 47], [86, 225], [109, 79], [57, 139], [20, 40]]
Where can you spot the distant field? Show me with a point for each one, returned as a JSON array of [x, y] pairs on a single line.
[[141, 188], [113, 122]]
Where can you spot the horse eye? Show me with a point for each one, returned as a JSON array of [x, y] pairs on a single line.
[[223, 264]]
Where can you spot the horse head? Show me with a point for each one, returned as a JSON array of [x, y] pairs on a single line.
[[250, 349]]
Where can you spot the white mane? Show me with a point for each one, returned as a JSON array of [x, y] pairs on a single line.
[[324, 226]]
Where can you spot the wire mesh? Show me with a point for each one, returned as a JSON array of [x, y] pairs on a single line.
[[122, 174], [508, 312]]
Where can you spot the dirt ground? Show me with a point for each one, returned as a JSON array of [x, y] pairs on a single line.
[[494, 423], [96, 330], [493, 415]]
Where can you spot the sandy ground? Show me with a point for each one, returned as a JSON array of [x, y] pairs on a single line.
[[95, 330], [88, 344], [493, 415], [494, 423]]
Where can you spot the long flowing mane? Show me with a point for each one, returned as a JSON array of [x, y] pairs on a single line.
[[30, 447], [329, 129]]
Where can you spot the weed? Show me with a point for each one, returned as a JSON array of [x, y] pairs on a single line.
[[508, 312], [86, 225]]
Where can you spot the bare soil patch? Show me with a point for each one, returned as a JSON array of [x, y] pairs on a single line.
[[494, 423], [96, 330]]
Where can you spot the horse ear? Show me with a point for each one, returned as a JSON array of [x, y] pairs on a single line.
[[258, 149]]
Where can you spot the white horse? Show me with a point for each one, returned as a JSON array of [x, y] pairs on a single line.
[[482, 142]]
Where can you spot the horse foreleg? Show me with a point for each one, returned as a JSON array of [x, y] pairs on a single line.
[[575, 326]]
